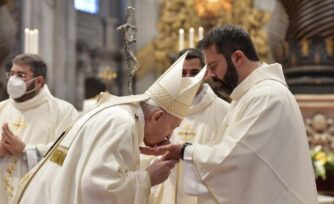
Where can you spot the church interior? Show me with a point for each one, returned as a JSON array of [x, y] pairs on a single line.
[[84, 39]]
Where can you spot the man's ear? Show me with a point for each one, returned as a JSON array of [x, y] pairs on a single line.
[[238, 57], [40, 81], [157, 116]]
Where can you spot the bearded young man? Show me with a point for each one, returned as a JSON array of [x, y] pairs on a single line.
[[264, 154], [30, 119]]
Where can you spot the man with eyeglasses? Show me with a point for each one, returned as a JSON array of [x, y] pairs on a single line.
[[200, 125], [30, 119]]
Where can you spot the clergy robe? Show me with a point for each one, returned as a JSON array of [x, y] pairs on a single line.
[[201, 125], [264, 155], [100, 162], [37, 122]]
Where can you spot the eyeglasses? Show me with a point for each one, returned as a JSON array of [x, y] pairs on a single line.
[[21, 75]]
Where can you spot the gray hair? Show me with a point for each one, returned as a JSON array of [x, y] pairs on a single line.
[[149, 107]]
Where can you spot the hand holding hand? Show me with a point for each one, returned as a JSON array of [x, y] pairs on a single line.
[[174, 151], [12, 143], [160, 169]]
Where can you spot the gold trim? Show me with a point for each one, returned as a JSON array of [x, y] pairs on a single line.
[[305, 47], [58, 155], [314, 96], [329, 46], [159, 95], [8, 178]]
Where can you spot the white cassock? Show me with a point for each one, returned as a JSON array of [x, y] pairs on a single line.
[[96, 162], [264, 155], [201, 125], [37, 122]]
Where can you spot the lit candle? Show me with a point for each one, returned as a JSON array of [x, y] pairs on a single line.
[[200, 33], [181, 39], [35, 34], [31, 42], [191, 38], [26, 40]]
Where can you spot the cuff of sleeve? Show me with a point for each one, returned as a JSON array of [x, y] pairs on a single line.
[[188, 153], [147, 179], [28, 147], [146, 188], [31, 155]]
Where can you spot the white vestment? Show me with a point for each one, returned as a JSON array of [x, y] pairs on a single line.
[[37, 122], [264, 154], [100, 162], [201, 125]]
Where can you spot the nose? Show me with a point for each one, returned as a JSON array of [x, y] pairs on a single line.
[[186, 74], [210, 74]]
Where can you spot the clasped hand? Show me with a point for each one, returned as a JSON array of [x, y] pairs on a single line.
[[10, 144]]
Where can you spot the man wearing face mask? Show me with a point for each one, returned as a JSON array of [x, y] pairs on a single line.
[[30, 119], [264, 154]]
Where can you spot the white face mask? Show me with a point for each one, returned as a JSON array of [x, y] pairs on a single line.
[[16, 87]]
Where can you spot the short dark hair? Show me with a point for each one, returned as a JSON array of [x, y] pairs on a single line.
[[192, 54], [36, 63], [228, 39], [93, 86]]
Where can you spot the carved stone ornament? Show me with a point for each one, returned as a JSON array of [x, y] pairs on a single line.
[[319, 131]]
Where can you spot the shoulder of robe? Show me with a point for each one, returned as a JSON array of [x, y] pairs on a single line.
[[222, 103], [62, 104], [119, 112], [267, 88], [3, 104]]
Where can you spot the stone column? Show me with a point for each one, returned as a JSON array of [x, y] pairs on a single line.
[[64, 57], [147, 16]]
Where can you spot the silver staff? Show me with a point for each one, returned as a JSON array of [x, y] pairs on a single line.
[[129, 31]]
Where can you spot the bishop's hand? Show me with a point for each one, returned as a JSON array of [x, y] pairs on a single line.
[[160, 169]]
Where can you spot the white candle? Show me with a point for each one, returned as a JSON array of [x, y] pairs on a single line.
[[191, 38], [181, 39], [200, 33], [31, 42], [35, 34], [26, 40]]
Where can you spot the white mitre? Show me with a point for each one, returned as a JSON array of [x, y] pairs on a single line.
[[175, 93], [171, 91]]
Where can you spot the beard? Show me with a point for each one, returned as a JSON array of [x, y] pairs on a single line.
[[31, 89], [230, 80]]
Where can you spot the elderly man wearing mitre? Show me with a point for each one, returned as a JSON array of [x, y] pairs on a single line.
[[97, 160]]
